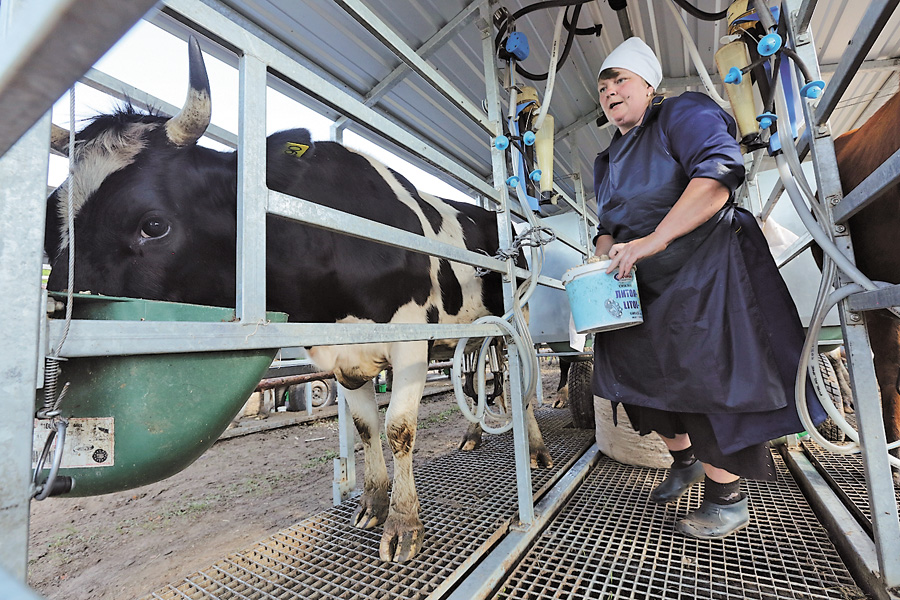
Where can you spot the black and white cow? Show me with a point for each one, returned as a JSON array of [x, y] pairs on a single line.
[[156, 219]]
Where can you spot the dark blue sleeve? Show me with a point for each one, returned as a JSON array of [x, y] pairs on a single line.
[[599, 173], [701, 137]]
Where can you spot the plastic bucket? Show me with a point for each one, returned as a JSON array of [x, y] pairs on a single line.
[[599, 301]]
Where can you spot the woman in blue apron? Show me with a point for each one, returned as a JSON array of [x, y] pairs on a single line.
[[712, 368]]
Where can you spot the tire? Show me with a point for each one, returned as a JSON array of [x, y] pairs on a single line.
[[324, 393], [581, 399], [296, 399], [829, 429]]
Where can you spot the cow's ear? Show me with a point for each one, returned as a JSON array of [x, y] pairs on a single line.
[[295, 144]]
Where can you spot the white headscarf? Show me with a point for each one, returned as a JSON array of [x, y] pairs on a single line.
[[636, 56]]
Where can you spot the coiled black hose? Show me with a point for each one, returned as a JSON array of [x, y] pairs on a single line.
[[504, 26]]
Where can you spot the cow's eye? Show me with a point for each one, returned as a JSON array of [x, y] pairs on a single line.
[[154, 227]]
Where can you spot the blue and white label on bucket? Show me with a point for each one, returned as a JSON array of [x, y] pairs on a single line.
[[599, 301], [90, 442]]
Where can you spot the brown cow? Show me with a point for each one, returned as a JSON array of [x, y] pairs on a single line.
[[874, 234]]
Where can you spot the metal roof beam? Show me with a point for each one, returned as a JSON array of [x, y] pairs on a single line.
[[803, 15], [387, 36], [47, 47], [873, 21], [464, 17]]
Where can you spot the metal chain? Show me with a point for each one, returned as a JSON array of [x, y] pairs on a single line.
[[536, 236]]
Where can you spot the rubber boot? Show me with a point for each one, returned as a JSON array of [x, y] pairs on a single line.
[[712, 521], [677, 482]]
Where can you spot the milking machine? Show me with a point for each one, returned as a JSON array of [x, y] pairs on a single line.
[[765, 92], [528, 136]]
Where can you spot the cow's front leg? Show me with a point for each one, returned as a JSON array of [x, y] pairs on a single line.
[[540, 456], [373, 503], [403, 531], [472, 439], [884, 335]]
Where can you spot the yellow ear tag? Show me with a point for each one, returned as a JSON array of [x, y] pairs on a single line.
[[295, 149]]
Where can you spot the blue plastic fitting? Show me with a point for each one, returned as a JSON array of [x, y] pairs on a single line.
[[528, 138], [512, 181], [734, 76], [535, 175], [766, 119], [813, 89], [769, 44], [517, 45], [501, 142]]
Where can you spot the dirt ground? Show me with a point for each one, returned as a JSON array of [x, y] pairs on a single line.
[[128, 544]]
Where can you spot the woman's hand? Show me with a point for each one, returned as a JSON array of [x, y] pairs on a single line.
[[701, 199], [624, 256]]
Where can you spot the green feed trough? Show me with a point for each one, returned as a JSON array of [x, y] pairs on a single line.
[[134, 420]]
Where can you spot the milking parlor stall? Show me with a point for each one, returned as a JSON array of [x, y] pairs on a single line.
[[104, 392]]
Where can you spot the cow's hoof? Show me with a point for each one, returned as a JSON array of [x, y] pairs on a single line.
[[372, 511], [562, 398], [472, 439], [402, 539], [541, 459], [467, 444]]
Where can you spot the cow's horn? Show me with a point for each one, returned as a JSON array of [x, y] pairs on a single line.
[[188, 125], [59, 139]]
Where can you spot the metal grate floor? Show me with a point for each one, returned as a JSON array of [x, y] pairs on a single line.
[[846, 473], [610, 542], [468, 500]]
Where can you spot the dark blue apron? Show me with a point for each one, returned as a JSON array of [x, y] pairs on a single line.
[[721, 335]]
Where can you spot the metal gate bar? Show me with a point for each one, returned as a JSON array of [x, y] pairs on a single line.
[[468, 503], [610, 542], [846, 474]]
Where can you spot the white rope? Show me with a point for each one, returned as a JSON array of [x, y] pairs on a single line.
[[695, 56], [551, 72], [70, 222]]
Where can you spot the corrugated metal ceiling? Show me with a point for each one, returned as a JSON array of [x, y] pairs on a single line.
[[337, 45]]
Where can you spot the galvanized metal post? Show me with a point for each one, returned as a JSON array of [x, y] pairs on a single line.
[[345, 464], [520, 433], [886, 526], [252, 193], [23, 189]]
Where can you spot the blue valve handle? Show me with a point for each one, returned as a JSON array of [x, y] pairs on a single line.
[[535, 175], [769, 44], [813, 89], [734, 76], [766, 119], [512, 181], [501, 142], [528, 138]]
